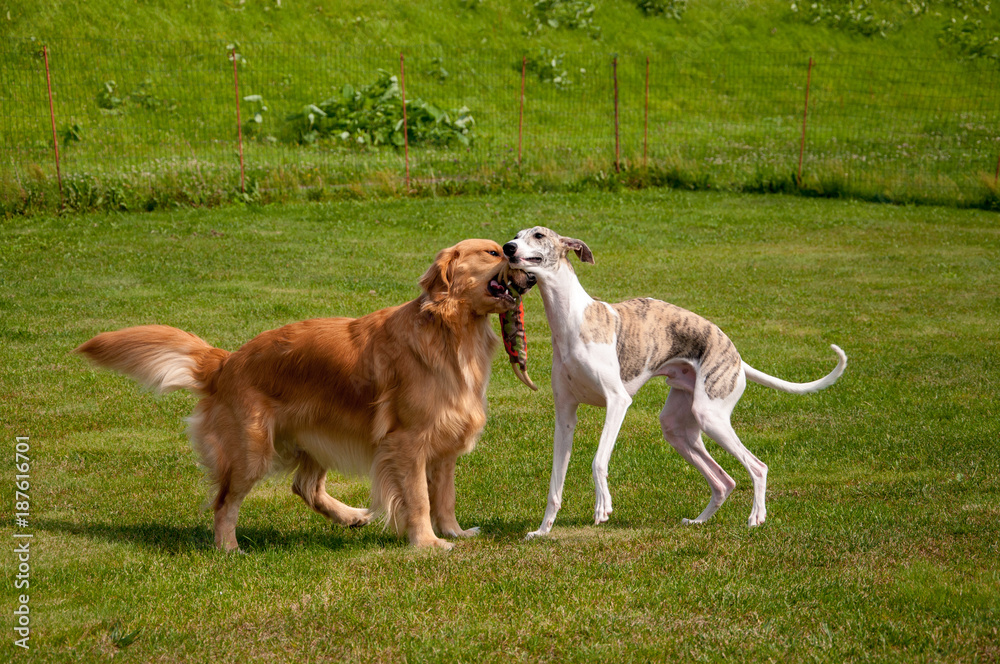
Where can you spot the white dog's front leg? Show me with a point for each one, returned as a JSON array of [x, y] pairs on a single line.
[[562, 448], [617, 406]]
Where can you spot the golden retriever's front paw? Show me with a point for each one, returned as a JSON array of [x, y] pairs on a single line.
[[457, 532], [429, 540], [436, 543]]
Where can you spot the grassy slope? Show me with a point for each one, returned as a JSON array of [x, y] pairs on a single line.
[[706, 26], [881, 538], [142, 160]]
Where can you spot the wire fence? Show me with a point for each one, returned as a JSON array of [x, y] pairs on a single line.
[[92, 123]]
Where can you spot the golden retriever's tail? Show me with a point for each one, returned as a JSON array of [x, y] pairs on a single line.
[[161, 358]]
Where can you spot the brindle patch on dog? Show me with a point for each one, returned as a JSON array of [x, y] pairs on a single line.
[[650, 333], [598, 324]]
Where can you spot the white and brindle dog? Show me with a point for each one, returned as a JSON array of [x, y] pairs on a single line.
[[603, 353]]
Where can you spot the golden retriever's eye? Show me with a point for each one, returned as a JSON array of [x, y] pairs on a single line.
[[492, 253]]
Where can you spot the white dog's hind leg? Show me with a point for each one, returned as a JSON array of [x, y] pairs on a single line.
[[725, 436], [681, 430], [617, 406], [562, 448], [713, 416]]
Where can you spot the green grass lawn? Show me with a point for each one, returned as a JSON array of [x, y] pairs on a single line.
[[884, 505]]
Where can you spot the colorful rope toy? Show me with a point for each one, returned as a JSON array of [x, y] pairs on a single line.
[[515, 342]]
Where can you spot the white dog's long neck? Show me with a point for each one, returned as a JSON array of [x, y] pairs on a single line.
[[565, 301]]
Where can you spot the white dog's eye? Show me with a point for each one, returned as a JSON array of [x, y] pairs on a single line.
[[538, 236]]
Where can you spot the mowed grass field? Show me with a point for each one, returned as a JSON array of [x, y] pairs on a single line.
[[883, 505]]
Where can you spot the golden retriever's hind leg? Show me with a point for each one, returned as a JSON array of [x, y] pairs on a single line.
[[441, 488], [211, 429], [310, 485], [244, 453], [227, 511]]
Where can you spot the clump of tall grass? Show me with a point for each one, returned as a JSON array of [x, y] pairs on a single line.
[[195, 183]]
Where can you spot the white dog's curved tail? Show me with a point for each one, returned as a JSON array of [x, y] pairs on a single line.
[[799, 388], [162, 358]]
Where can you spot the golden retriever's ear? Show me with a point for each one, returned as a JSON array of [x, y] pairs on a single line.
[[437, 279]]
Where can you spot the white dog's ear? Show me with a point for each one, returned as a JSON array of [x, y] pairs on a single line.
[[437, 279], [583, 252]]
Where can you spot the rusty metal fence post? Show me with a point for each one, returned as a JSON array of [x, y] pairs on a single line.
[[618, 162], [52, 116], [239, 122], [520, 115], [645, 121], [406, 137], [805, 113]]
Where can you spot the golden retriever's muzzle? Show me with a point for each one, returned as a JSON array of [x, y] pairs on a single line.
[[510, 284]]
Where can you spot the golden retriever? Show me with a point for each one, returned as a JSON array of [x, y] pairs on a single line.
[[398, 393]]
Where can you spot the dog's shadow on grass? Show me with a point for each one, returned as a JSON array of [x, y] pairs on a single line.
[[182, 540], [497, 530], [517, 531], [172, 539]]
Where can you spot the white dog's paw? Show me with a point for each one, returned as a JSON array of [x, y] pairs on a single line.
[[691, 522], [534, 534], [603, 509], [756, 519]]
